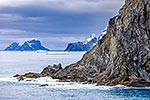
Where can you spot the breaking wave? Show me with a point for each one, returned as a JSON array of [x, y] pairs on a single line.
[[54, 83]]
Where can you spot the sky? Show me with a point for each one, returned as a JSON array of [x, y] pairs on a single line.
[[54, 22]]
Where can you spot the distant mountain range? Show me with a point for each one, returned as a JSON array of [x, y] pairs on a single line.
[[82, 46], [32, 45]]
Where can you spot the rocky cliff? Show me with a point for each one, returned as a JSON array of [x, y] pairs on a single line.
[[122, 56]]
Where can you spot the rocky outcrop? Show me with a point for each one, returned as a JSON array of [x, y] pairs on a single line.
[[51, 69], [43, 85], [75, 72], [47, 71], [122, 56]]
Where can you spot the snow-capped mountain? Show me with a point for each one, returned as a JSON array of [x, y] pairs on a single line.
[[103, 33], [82, 46], [32, 45]]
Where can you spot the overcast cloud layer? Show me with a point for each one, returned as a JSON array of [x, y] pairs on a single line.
[[55, 22]]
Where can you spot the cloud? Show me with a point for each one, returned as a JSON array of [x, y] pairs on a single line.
[[14, 17], [51, 21], [67, 5], [86, 5], [55, 22], [65, 39], [57, 16], [51, 40], [11, 31], [21, 35]]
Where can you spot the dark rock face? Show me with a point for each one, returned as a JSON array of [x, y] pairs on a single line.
[[51, 69], [32, 45], [75, 72]]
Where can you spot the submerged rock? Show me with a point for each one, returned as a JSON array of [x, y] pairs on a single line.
[[20, 78], [43, 85]]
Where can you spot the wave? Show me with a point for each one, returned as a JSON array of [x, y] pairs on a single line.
[[54, 83]]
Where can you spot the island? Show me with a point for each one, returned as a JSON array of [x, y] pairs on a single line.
[[82, 46], [32, 45], [121, 56]]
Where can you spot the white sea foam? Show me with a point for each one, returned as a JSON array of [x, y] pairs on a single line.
[[8, 79], [57, 53], [54, 83]]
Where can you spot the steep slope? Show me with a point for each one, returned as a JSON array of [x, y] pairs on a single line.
[[32, 45], [82, 46]]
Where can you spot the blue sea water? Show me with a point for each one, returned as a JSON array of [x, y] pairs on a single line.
[[20, 62]]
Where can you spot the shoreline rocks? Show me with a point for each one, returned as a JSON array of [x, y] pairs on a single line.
[[78, 73]]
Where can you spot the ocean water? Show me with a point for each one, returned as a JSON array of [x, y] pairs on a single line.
[[12, 63]]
